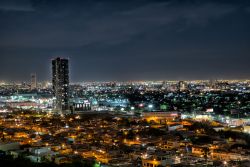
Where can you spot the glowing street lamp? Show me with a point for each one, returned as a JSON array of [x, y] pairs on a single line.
[[141, 105], [150, 106], [225, 163]]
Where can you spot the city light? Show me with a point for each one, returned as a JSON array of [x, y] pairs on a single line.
[[150, 106], [142, 83]]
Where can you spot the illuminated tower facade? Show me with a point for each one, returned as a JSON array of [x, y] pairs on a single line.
[[182, 86], [60, 81]]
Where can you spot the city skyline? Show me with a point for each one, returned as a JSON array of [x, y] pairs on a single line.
[[125, 40], [125, 83]]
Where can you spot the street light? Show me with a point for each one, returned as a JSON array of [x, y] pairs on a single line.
[[225, 163], [141, 105]]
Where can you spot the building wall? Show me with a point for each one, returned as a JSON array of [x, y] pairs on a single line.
[[9, 146]]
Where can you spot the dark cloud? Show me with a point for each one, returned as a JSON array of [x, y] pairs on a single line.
[[140, 39], [16, 5], [111, 27], [248, 9]]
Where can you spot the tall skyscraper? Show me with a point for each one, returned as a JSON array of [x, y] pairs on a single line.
[[33, 84], [60, 81], [182, 86]]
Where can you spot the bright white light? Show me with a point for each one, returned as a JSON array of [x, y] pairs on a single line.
[[3, 111], [150, 106], [132, 108], [122, 109], [145, 156]]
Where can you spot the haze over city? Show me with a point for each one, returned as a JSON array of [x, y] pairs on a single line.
[[109, 40]]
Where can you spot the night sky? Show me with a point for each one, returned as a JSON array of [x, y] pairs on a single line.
[[124, 40]]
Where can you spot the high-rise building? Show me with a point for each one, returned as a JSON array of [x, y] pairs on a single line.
[[182, 86], [60, 81], [33, 84]]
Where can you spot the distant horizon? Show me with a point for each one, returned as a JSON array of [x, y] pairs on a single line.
[[108, 81]]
